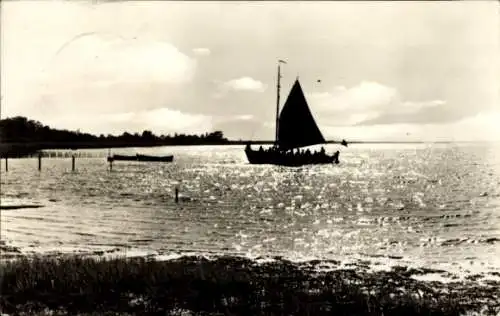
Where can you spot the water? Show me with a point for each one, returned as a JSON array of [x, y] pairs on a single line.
[[435, 206]]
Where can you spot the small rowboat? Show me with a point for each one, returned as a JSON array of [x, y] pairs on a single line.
[[139, 157]]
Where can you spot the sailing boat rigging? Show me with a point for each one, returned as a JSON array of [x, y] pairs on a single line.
[[295, 128]]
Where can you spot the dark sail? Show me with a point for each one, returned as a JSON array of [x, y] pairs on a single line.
[[297, 127]]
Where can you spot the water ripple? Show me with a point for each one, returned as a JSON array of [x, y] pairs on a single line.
[[427, 204]]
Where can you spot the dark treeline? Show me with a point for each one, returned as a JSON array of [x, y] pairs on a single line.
[[21, 135], [22, 130]]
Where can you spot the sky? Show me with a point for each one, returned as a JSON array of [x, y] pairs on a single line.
[[405, 71]]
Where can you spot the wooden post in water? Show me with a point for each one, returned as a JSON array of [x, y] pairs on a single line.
[[176, 194], [73, 162], [39, 161], [6, 163], [110, 159]]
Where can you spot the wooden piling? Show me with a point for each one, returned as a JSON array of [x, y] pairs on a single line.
[[6, 164], [110, 159], [73, 163], [40, 162], [176, 194]]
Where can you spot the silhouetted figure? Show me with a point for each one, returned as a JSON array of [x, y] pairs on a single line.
[[336, 155]]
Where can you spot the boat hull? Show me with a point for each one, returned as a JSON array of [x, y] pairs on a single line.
[[287, 159], [141, 158]]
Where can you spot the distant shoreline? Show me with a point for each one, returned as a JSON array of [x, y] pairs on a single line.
[[33, 147], [23, 137]]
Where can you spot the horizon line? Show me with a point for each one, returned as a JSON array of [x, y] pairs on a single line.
[[273, 141]]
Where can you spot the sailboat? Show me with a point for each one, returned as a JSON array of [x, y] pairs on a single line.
[[295, 128]]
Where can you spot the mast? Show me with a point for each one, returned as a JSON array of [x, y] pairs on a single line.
[[278, 100], [277, 104]]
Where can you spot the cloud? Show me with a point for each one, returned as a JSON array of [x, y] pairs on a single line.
[[452, 58], [245, 117], [480, 127], [241, 117], [162, 120], [245, 84], [371, 103], [347, 106], [367, 95], [243, 127], [103, 72], [435, 111], [201, 51], [105, 59], [159, 121]]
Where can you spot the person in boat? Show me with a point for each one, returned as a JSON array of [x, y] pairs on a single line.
[[247, 147], [322, 150], [261, 149]]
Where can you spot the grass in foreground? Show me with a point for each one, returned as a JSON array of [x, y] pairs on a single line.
[[228, 285]]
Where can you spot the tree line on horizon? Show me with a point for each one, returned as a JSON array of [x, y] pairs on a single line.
[[20, 129]]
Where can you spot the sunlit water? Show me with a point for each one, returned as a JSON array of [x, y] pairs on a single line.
[[432, 206]]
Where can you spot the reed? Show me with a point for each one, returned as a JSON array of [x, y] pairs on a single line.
[[227, 285]]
